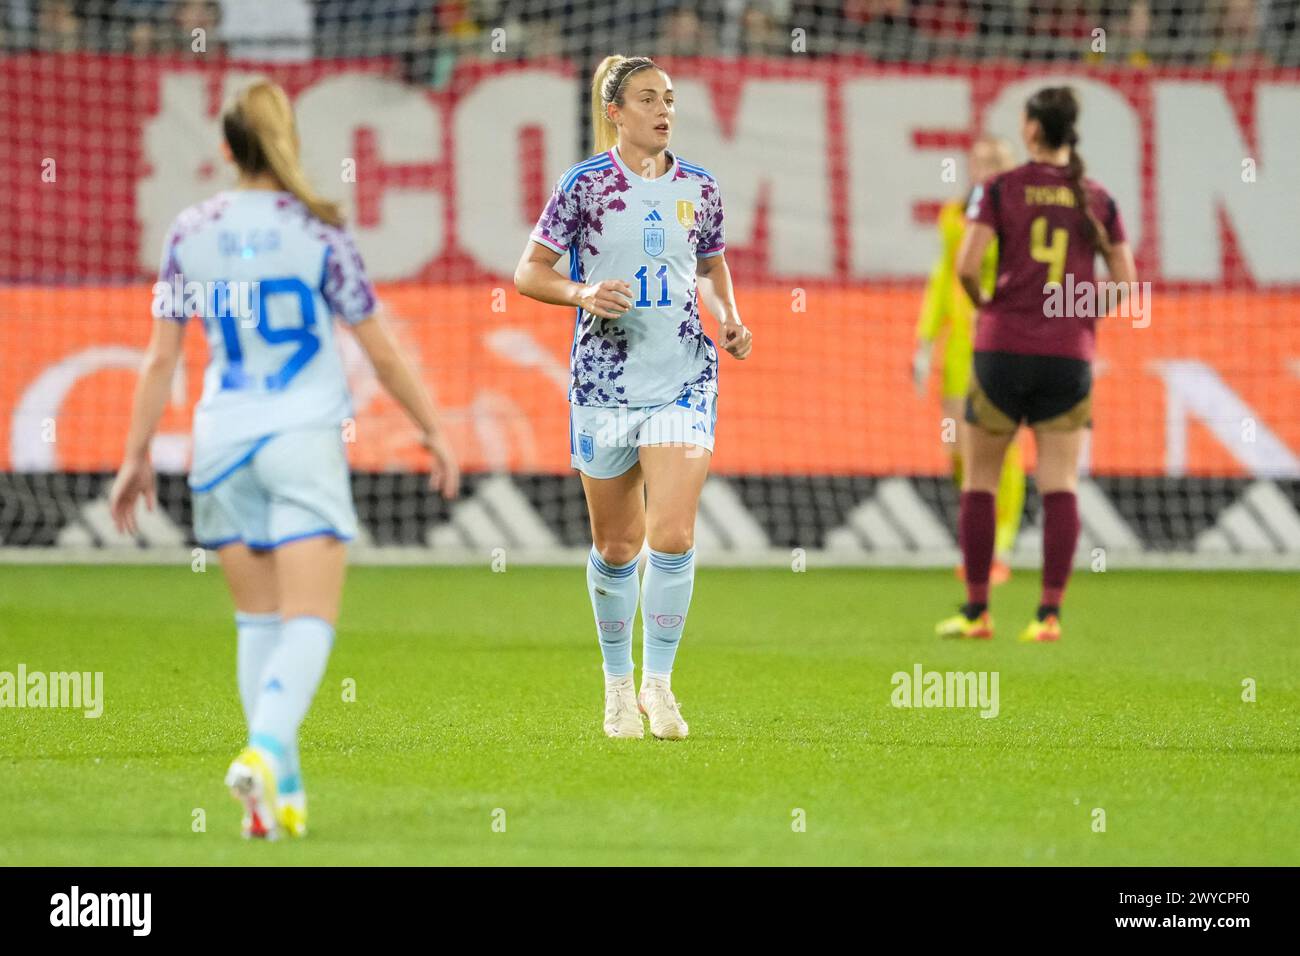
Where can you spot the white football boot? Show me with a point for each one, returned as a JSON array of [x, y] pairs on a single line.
[[252, 783], [622, 718], [658, 703]]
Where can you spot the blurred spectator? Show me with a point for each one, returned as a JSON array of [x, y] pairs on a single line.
[[543, 37], [1061, 29], [133, 26], [1282, 23], [1138, 32], [684, 35], [16, 17], [1125, 33], [58, 28], [455, 18], [194, 28], [887, 29], [1179, 30], [860, 12], [280, 30], [1236, 32], [534, 28], [759, 33], [447, 32], [738, 24], [368, 28]]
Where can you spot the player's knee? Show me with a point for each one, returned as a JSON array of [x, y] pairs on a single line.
[[981, 475], [982, 469], [327, 611], [1047, 484], [971, 481], [618, 550], [672, 539]]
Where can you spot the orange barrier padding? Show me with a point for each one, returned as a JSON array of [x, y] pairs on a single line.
[[1212, 380]]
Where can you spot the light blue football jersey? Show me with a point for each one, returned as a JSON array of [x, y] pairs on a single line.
[[616, 224], [273, 279]]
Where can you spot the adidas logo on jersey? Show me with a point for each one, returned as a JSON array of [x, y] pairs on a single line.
[[654, 216]]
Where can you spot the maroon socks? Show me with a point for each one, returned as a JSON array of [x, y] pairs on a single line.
[[976, 528], [1060, 537]]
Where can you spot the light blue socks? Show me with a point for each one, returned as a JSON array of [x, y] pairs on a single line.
[[288, 682], [665, 599], [258, 634], [613, 590]]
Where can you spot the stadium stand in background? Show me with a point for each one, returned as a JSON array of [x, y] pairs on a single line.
[[1218, 32]]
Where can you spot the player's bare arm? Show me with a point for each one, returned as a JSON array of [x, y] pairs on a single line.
[[536, 278], [400, 381], [135, 478], [719, 298], [1121, 270], [969, 258]]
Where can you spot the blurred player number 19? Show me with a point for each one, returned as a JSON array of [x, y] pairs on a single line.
[[235, 376]]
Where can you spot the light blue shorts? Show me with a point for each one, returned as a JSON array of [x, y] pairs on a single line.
[[273, 490], [604, 442]]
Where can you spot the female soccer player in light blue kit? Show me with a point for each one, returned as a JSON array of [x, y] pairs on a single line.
[[642, 228], [269, 475]]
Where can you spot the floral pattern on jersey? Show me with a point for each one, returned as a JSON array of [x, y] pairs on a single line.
[[600, 346], [689, 330], [345, 286], [706, 234], [599, 360], [578, 215], [191, 220], [575, 220]]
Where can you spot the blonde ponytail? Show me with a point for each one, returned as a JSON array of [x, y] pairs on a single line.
[[607, 87], [603, 132], [263, 137]]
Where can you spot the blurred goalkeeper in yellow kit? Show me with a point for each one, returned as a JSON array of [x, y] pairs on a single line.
[[946, 306]]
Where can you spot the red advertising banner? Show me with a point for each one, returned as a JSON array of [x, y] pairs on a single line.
[[831, 171], [831, 174]]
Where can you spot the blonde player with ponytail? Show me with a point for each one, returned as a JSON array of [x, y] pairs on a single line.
[[269, 475], [643, 230]]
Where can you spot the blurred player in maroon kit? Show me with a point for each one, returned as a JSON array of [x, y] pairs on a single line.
[[1033, 347]]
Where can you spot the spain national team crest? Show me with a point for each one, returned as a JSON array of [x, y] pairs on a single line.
[[586, 447], [686, 213], [653, 239]]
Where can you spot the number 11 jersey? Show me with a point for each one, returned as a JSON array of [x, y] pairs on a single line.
[[616, 224]]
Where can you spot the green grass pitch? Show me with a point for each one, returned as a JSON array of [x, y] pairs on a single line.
[[478, 691]]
